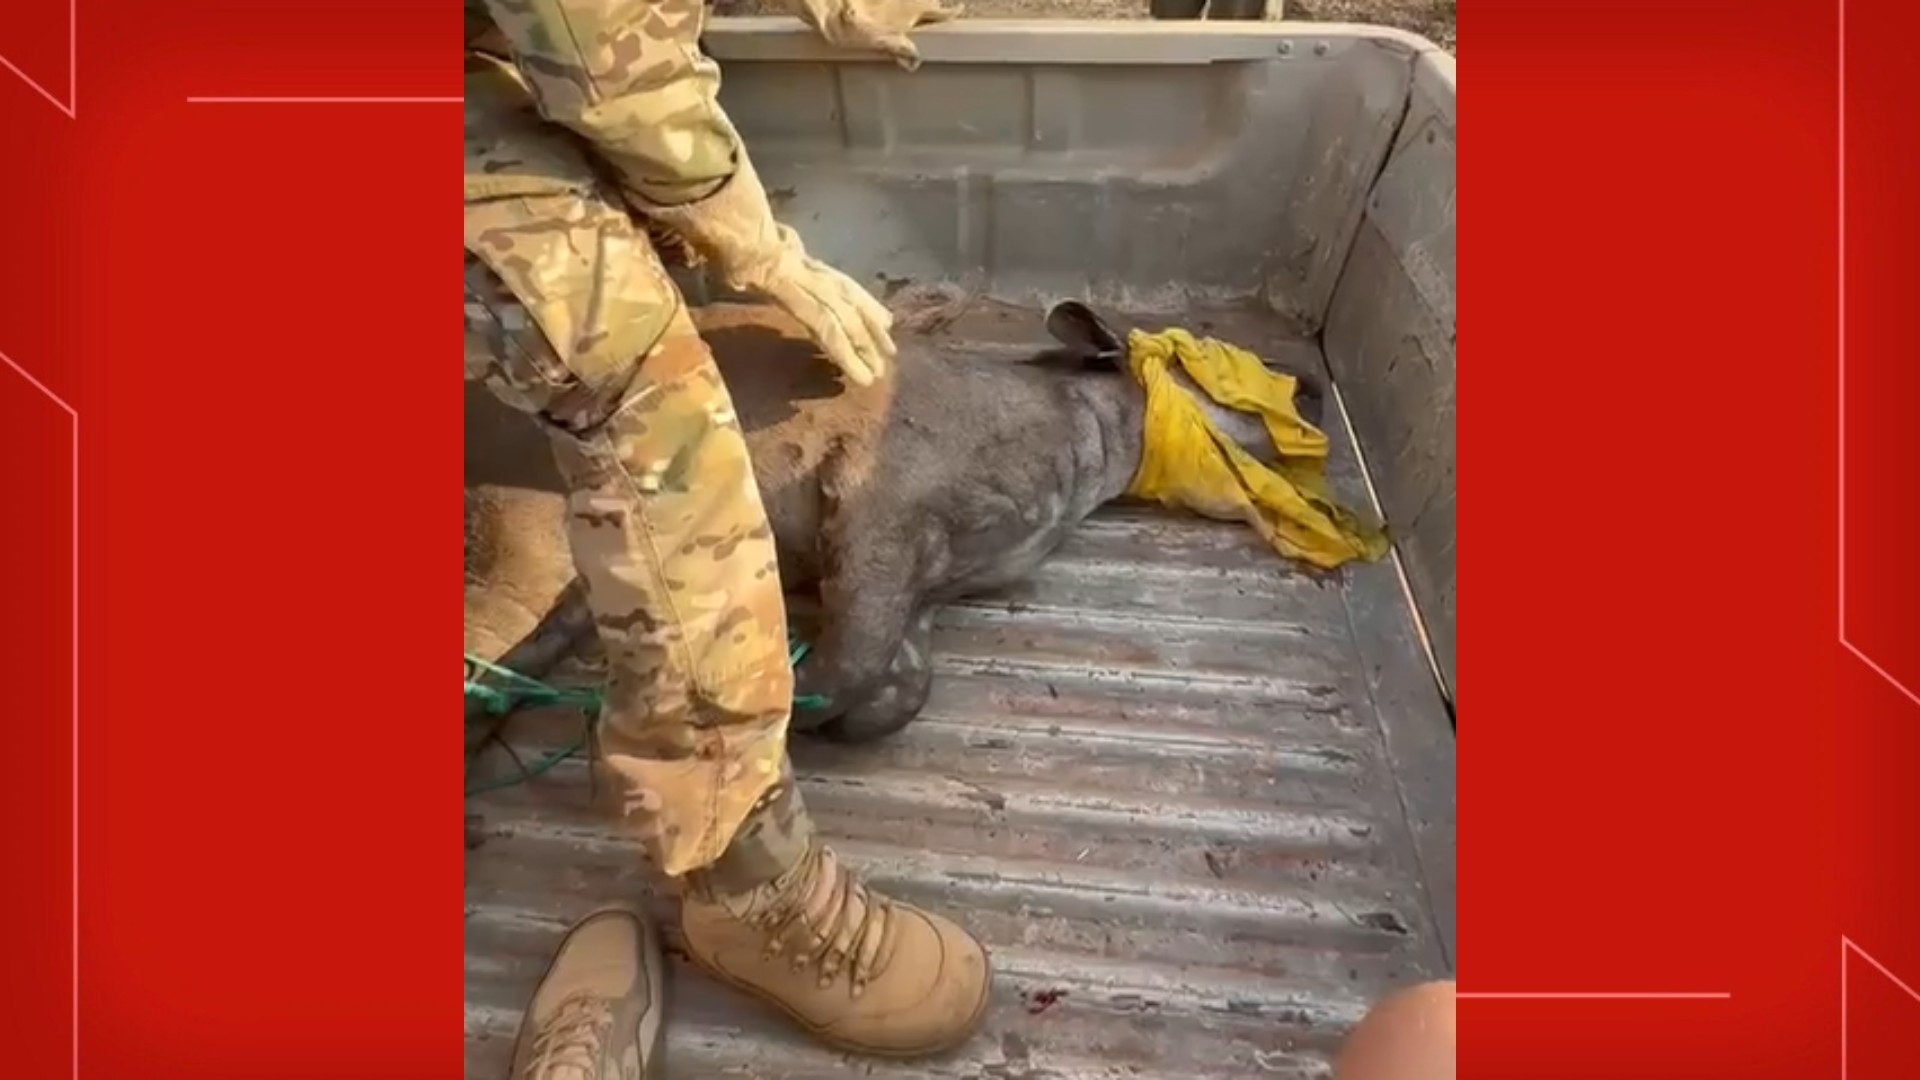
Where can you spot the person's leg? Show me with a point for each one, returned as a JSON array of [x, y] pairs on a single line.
[[1407, 1035], [571, 318]]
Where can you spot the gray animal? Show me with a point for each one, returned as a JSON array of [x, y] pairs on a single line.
[[950, 477]]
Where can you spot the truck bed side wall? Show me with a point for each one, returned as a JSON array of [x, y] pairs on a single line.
[[1389, 338], [1150, 166], [1153, 166]]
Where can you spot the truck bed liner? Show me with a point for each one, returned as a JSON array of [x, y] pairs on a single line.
[[1196, 800]]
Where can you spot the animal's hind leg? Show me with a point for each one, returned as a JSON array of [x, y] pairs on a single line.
[[898, 695], [517, 561], [868, 604]]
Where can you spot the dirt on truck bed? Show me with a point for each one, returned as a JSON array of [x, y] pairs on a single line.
[[1180, 786]]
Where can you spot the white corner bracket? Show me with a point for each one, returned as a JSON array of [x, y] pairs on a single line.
[[71, 106], [1840, 348], [73, 716], [1848, 950]]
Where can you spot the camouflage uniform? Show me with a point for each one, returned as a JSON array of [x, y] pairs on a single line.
[[570, 317]]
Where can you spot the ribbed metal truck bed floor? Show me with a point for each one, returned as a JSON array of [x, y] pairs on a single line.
[[1198, 803]]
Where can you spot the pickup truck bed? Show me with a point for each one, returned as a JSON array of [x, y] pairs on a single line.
[[1197, 800]]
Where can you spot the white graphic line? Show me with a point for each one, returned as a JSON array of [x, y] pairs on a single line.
[[1840, 310], [40, 386], [73, 722], [1847, 946], [1841, 347], [324, 100], [1880, 671], [1600, 995], [71, 106]]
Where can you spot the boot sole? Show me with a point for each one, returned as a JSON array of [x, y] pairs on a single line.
[[971, 1028]]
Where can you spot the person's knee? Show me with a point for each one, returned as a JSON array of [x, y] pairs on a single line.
[[1407, 1035]]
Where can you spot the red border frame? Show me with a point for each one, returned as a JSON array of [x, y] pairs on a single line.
[[1674, 777]]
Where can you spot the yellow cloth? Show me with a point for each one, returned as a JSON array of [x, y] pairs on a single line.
[[1186, 463]]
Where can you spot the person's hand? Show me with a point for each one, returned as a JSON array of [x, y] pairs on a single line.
[[875, 25], [848, 324], [734, 227]]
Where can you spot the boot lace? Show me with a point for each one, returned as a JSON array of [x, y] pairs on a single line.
[[853, 936], [567, 1046]]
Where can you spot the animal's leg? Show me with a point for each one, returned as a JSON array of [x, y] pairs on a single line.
[[900, 693], [542, 649], [517, 564], [867, 600]]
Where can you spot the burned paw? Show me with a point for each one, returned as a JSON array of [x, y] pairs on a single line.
[[893, 705], [810, 714], [813, 701], [874, 720]]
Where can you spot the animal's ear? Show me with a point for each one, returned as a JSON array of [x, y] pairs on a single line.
[[1085, 334]]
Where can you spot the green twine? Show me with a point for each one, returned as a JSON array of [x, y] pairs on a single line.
[[510, 691], [530, 771], [797, 651], [517, 690]]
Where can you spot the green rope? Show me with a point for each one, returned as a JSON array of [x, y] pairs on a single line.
[[511, 691], [519, 690], [531, 771]]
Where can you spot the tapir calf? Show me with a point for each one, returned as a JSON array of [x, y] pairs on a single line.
[[950, 476]]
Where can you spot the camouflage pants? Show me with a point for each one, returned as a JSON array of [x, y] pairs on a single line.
[[570, 317]]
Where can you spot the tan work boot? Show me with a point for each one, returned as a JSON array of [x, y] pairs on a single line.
[[599, 1012], [859, 971]]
